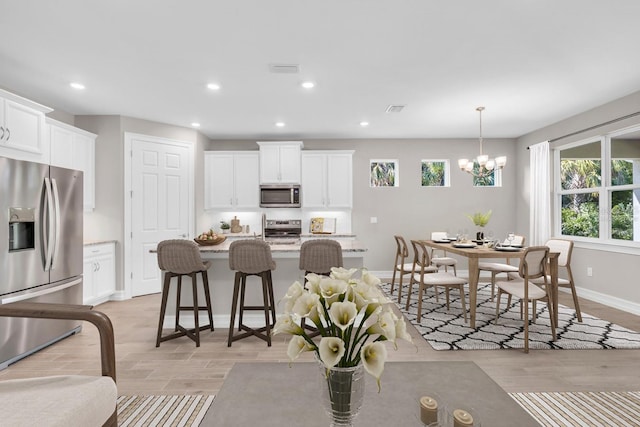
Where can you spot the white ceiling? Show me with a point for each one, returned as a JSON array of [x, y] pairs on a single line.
[[529, 62]]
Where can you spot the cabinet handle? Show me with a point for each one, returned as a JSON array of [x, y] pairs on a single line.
[[8, 133], [98, 266], [2, 129]]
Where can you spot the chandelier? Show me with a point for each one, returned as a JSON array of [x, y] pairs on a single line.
[[485, 165]]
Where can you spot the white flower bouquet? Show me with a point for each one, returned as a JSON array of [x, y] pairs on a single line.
[[352, 315]]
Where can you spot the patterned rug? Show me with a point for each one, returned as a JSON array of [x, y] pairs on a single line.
[[584, 409], [139, 411], [446, 330]]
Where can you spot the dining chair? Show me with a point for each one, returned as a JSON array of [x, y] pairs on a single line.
[[497, 267], [444, 260], [400, 265], [532, 266], [425, 276], [565, 248]]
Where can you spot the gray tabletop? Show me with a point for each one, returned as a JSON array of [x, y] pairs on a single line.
[[274, 394]]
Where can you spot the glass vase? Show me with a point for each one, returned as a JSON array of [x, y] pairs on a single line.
[[342, 393]]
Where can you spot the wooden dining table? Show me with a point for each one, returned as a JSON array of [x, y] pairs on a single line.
[[475, 253]]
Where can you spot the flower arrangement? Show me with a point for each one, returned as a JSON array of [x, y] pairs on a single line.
[[352, 315], [480, 219]]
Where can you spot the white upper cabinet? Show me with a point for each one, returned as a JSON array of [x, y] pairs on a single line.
[[280, 162], [231, 180], [327, 179], [74, 148], [22, 129]]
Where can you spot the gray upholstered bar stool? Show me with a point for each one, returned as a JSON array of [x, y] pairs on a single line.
[[318, 256], [179, 258], [252, 258]]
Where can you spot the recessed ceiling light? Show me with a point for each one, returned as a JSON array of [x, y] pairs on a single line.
[[280, 124], [195, 124], [308, 85], [364, 124], [76, 85], [213, 86]]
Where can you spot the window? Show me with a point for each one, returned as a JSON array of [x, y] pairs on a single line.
[[435, 173], [598, 188]]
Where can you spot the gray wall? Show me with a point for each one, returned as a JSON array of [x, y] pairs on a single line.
[[411, 210], [614, 273], [106, 222]]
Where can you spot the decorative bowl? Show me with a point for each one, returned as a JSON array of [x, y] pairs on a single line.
[[212, 242]]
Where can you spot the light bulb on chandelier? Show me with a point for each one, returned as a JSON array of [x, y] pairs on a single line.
[[486, 166]]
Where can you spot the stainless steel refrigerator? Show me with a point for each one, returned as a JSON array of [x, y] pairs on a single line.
[[40, 251]]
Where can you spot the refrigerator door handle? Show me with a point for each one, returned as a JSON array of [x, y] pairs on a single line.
[[42, 292], [48, 236], [56, 201]]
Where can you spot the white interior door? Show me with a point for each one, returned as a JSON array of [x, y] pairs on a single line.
[[161, 193]]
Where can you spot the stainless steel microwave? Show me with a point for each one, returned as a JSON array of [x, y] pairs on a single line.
[[279, 196]]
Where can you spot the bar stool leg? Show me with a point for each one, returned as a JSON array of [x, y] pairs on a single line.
[[196, 320], [271, 297], [178, 295], [207, 295], [243, 287], [234, 305], [163, 306], [265, 298]]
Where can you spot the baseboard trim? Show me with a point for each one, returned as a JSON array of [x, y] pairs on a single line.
[[599, 297]]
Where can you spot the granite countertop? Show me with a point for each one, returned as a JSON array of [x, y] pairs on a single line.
[[97, 242], [347, 246]]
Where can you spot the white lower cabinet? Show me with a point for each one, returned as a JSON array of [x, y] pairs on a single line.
[[99, 281]]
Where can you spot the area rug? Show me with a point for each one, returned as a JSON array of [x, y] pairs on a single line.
[[584, 409], [178, 411], [446, 330]]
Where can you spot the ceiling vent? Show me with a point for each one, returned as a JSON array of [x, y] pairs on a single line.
[[284, 68], [394, 108]]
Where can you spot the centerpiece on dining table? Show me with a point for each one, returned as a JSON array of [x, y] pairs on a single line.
[[353, 318], [480, 219]]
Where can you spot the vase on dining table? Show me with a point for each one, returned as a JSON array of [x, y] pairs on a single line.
[[342, 393]]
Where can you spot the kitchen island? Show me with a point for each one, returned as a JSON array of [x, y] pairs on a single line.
[[221, 279]]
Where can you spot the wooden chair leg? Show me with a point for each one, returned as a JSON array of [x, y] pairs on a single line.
[[446, 292], [493, 284], [526, 326], [178, 296], [464, 306], [420, 290], [498, 305], [408, 293], [393, 279], [576, 303], [534, 314], [400, 286]]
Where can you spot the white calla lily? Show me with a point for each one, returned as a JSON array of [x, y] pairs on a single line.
[[385, 326], [331, 289], [342, 273], [313, 283], [373, 356], [286, 325], [307, 306], [297, 346], [401, 330], [343, 314], [294, 292], [331, 350]]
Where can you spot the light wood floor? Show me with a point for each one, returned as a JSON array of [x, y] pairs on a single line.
[[178, 367]]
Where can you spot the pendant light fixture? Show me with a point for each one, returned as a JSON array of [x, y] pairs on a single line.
[[485, 165]]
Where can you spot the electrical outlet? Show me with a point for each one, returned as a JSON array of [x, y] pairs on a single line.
[[374, 220], [589, 271]]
